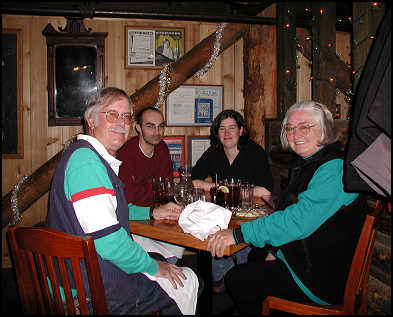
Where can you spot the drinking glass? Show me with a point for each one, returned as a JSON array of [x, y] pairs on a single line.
[[169, 191], [198, 194], [158, 186], [182, 195], [247, 193]]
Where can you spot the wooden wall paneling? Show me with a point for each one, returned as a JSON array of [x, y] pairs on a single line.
[[303, 66], [343, 50], [238, 75], [286, 57], [269, 64], [254, 86], [227, 71], [324, 50]]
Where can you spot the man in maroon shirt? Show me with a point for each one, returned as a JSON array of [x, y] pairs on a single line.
[[144, 157]]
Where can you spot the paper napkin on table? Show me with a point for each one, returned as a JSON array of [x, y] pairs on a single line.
[[203, 218]]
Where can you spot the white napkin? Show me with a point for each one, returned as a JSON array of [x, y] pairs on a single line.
[[165, 249], [186, 296], [203, 218]]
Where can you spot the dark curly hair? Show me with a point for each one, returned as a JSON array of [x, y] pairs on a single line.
[[215, 141]]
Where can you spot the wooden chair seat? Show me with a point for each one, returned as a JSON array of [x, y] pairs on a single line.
[[37, 254], [355, 295]]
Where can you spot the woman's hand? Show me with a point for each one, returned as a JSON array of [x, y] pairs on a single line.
[[171, 272], [198, 183], [260, 191], [217, 242], [170, 211]]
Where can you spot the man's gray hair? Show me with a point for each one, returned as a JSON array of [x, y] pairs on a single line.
[[101, 98], [322, 117]]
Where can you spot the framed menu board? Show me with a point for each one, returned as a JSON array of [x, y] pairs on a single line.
[[194, 105]]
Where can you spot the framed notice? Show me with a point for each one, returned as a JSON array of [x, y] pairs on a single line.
[[11, 97], [194, 105], [153, 47], [197, 145], [176, 146]]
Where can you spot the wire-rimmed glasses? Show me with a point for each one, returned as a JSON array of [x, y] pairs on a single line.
[[112, 116], [304, 129]]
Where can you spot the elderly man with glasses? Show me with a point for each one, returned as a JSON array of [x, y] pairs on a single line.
[[87, 198]]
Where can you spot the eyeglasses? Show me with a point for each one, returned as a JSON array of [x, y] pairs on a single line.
[[304, 129], [112, 116]]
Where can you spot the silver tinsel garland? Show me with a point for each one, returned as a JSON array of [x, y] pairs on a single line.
[[216, 50], [165, 80], [16, 216], [163, 86]]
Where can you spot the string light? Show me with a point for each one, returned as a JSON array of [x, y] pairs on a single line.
[[347, 93]]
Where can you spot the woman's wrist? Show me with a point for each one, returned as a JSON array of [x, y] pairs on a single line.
[[151, 212]]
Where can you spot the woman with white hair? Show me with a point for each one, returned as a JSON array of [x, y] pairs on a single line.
[[311, 237]]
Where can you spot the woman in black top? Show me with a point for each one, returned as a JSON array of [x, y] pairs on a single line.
[[232, 154]]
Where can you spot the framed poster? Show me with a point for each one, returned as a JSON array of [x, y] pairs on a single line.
[[197, 145], [194, 105], [176, 151], [11, 97], [153, 47]]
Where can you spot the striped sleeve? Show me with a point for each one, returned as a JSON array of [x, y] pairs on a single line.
[[88, 187]]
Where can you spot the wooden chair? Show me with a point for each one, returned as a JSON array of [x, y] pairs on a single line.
[[35, 252], [355, 295]]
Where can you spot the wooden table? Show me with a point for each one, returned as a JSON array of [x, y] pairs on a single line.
[[170, 231]]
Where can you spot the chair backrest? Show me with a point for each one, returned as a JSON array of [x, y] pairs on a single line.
[[355, 296], [39, 253]]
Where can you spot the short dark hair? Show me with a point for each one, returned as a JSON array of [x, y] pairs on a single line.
[[215, 141], [138, 117]]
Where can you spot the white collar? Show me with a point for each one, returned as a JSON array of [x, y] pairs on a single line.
[[148, 156], [113, 162]]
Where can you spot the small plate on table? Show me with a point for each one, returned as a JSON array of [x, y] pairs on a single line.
[[252, 213]]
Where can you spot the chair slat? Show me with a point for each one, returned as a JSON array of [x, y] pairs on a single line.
[[79, 286], [55, 285], [66, 286]]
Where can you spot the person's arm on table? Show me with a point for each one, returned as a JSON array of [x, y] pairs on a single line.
[[324, 196]]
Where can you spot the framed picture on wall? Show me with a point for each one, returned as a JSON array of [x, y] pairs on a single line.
[[197, 145], [153, 47], [176, 146], [75, 67], [11, 97], [194, 105]]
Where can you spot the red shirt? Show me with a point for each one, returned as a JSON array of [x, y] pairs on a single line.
[[137, 169]]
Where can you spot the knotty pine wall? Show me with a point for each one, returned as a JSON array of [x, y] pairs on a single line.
[[42, 142]]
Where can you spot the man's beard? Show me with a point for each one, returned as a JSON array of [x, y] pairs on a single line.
[[153, 143]]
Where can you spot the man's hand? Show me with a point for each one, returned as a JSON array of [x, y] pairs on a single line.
[[217, 242], [170, 211], [171, 272]]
